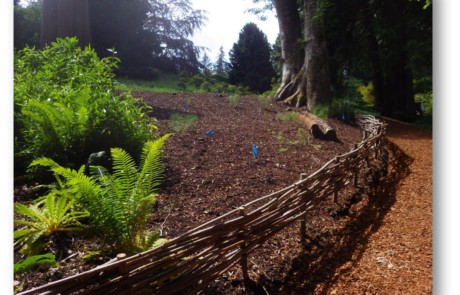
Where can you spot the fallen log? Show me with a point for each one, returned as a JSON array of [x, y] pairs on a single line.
[[318, 127], [312, 126]]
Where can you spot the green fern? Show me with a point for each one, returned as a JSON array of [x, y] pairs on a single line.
[[47, 259], [52, 214], [120, 203]]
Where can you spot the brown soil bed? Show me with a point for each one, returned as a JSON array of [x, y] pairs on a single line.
[[377, 243]]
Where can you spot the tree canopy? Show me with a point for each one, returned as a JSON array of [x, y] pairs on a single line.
[[388, 43], [147, 35], [250, 63]]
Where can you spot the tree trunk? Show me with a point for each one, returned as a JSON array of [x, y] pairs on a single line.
[[316, 57], [399, 98], [378, 78], [311, 84], [65, 18], [291, 49]]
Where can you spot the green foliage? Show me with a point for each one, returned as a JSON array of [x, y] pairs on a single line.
[[55, 213], [427, 100], [27, 24], [342, 110], [287, 116], [250, 62], [119, 204], [321, 111], [65, 108], [47, 259], [233, 100], [148, 35], [367, 93], [264, 100], [180, 123]]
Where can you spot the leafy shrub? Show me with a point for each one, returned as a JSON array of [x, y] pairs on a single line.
[[65, 108], [119, 204], [427, 100], [367, 93], [53, 214], [342, 110]]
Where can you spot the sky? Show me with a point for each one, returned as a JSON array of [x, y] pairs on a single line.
[[226, 18]]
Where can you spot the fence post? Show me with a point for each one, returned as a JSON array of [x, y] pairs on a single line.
[[355, 173], [122, 266], [303, 226], [244, 254], [334, 194]]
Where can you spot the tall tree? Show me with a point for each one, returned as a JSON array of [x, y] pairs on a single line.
[[250, 63], [305, 82], [27, 24], [65, 18], [385, 41], [290, 37], [147, 34], [221, 66]]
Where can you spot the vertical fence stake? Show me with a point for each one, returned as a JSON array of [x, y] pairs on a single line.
[[244, 255], [122, 266], [303, 226], [334, 195], [355, 172]]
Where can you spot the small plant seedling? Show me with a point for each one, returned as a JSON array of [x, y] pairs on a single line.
[[264, 100], [180, 123], [233, 100], [287, 116]]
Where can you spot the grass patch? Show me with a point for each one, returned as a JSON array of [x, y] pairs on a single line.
[[287, 116], [180, 123], [167, 83], [264, 100]]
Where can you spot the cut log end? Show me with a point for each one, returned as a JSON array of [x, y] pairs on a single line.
[[318, 128]]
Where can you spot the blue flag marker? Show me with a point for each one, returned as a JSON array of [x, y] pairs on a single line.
[[343, 117], [255, 152], [210, 132]]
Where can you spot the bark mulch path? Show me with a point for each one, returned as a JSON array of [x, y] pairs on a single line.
[[370, 243], [398, 256]]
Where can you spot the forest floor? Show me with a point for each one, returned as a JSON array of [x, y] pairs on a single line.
[[378, 243]]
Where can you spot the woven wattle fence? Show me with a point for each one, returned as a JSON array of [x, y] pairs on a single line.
[[194, 259]]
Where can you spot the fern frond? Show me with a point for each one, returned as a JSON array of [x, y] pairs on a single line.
[[151, 174]]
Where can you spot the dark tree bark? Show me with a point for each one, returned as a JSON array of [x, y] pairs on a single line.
[[291, 48], [65, 18], [399, 94]]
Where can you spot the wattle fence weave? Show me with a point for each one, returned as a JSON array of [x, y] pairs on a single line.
[[194, 259]]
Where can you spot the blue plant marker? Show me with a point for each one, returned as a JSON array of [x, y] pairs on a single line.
[[255, 152], [343, 117], [210, 132]]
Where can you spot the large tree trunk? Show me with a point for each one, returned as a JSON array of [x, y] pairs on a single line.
[[65, 18], [316, 57], [399, 93], [291, 49], [311, 84]]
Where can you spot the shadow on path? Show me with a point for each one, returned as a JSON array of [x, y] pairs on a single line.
[[330, 256]]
